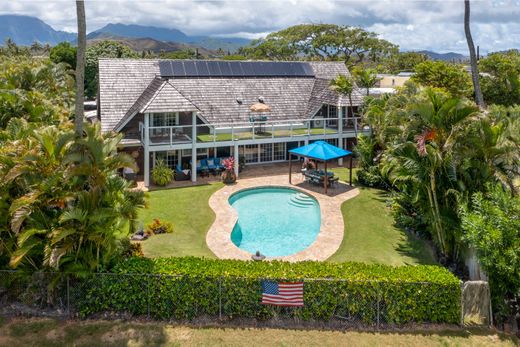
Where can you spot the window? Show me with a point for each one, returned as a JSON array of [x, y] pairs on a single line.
[[251, 153], [333, 112], [167, 119], [266, 152], [333, 142], [200, 151], [169, 158], [279, 151]]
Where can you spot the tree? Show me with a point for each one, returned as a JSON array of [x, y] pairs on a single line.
[[80, 67], [439, 74], [491, 225], [402, 61], [66, 207], [321, 42], [424, 163], [103, 49], [64, 52], [472, 57], [344, 85], [34, 89], [501, 81], [365, 78]]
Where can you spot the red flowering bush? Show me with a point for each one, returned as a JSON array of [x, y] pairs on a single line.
[[229, 163]]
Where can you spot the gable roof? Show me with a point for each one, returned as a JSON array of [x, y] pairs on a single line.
[[129, 86], [159, 96]]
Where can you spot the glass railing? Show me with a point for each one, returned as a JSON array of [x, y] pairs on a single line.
[[250, 130]]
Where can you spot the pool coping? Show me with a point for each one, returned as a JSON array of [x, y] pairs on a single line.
[[328, 240]]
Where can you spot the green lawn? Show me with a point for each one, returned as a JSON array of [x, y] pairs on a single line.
[[370, 235], [188, 210], [53, 332], [369, 232], [277, 133]]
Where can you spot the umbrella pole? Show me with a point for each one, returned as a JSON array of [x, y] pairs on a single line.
[[350, 170], [326, 178], [290, 167]]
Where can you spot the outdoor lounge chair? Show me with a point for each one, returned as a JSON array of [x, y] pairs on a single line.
[[202, 164]]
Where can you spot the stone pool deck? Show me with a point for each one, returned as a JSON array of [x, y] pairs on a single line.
[[331, 232]]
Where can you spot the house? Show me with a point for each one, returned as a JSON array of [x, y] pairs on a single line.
[[393, 81], [181, 111]]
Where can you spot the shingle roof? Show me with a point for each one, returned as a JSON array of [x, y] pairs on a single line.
[[131, 86]]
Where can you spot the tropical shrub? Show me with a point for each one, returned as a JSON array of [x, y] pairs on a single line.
[[491, 224], [159, 227], [161, 173], [191, 287], [131, 249], [63, 205]]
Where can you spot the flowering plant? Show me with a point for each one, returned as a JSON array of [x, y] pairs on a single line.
[[229, 163], [228, 176]]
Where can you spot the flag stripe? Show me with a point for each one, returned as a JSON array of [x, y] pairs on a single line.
[[282, 293]]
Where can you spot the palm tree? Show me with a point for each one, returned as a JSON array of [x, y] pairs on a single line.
[[472, 57], [428, 161], [80, 67], [366, 78], [67, 207], [344, 85]]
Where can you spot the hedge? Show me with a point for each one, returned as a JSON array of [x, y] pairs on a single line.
[[186, 288]]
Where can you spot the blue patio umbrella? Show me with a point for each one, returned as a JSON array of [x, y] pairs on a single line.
[[322, 151]]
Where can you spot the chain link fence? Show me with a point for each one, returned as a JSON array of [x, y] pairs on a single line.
[[332, 303]]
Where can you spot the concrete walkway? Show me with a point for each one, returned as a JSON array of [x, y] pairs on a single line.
[[328, 240]]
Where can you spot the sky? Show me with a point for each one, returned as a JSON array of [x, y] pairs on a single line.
[[413, 25]]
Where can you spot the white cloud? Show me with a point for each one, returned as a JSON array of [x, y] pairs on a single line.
[[436, 25]]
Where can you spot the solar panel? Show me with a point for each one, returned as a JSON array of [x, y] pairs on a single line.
[[214, 68], [225, 68], [202, 68], [236, 69], [190, 69], [178, 69], [165, 68]]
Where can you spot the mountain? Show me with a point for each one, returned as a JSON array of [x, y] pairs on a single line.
[[165, 34], [148, 44], [24, 30], [450, 56]]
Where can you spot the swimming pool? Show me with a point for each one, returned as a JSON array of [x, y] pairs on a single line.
[[275, 221]]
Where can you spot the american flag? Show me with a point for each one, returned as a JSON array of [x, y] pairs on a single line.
[[282, 293]]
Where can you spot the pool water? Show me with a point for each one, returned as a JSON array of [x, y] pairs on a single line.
[[275, 221]]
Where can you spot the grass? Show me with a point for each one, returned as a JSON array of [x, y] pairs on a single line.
[[370, 235], [188, 210], [51, 332], [246, 135], [369, 232]]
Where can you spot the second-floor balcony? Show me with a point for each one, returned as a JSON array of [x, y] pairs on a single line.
[[171, 135]]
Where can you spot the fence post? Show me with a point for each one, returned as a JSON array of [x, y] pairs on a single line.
[[378, 307], [461, 303], [148, 297], [490, 306], [220, 298], [68, 294]]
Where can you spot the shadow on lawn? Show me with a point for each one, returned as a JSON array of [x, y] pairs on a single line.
[[412, 246]]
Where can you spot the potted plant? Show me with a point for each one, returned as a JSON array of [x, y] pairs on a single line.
[[161, 173], [228, 176]]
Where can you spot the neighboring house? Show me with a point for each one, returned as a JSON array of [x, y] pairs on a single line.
[[393, 81], [388, 83], [155, 103]]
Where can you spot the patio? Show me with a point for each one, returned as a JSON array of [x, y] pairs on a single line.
[[255, 171]]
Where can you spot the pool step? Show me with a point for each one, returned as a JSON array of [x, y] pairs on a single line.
[[301, 200]]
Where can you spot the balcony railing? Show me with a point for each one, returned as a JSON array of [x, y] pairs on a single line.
[[164, 135]]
